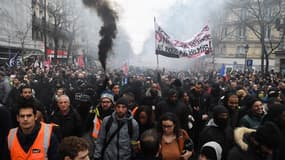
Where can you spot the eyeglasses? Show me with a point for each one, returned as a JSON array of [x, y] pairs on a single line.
[[167, 126]]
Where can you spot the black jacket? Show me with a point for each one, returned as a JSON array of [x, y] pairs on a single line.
[[178, 108], [5, 125], [70, 124], [212, 132], [244, 148]]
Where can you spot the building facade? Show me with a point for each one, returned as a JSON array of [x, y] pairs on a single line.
[[16, 30], [249, 34], [37, 29]]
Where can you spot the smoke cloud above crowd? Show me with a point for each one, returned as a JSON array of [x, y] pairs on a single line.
[[181, 19]]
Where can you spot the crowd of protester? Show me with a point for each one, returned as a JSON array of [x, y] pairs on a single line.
[[66, 112]]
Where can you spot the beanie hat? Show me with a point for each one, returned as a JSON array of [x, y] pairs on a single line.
[[218, 109], [123, 101], [268, 135], [107, 95], [212, 150]]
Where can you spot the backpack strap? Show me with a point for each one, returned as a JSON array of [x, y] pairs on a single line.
[[110, 121], [107, 142], [130, 128], [108, 124]]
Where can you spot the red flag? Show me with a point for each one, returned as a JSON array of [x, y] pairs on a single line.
[[80, 61], [125, 69], [47, 62]]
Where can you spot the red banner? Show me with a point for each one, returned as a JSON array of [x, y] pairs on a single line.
[[60, 53]]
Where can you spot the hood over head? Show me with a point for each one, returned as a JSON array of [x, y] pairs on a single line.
[[212, 150]]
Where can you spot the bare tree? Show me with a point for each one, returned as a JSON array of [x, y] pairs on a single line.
[[260, 16], [22, 34], [18, 30], [73, 25], [65, 24], [59, 31]]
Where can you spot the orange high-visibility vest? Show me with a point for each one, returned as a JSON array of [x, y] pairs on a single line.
[[96, 126], [38, 150]]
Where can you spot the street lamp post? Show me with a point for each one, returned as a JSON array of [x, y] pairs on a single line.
[[246, 47]]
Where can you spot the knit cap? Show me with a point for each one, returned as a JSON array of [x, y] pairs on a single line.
[[123, 101], [107, 95]]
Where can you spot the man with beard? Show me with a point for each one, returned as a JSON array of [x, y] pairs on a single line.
[[171, 104], [26, 95], [218, 130], [96, 116], [115, 142], [98, 113]]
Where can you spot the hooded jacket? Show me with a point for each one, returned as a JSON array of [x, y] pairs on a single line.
[[120, 146], [243, 148], [216, 147], [212, 132]]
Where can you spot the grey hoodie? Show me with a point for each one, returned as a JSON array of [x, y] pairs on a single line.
[[120, 146]]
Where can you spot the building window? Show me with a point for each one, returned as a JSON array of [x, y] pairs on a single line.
[[240, 51], [226, 31], [41, 13], [38, 35], [267, 32], [241, 32], [243, 14], [33, 33]]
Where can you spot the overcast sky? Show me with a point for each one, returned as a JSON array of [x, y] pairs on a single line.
[[181, 19]]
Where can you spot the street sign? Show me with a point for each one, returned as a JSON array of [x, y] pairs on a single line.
[[249, 63]]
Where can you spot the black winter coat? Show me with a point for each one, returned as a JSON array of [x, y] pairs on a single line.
[[212, 132], [70, 124], [178, 108], [244, 150]]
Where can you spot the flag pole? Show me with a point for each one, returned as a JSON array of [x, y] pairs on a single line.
[[157, 60]]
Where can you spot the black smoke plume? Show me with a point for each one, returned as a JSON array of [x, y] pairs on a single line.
[[109, 29]]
